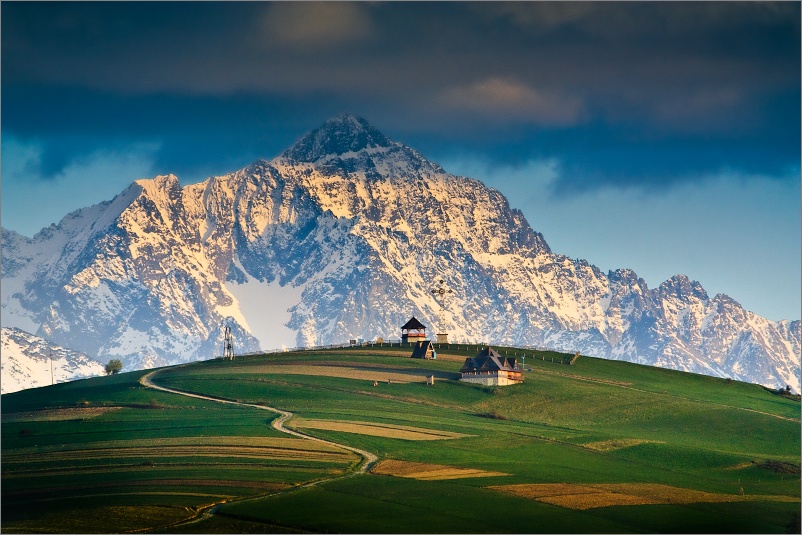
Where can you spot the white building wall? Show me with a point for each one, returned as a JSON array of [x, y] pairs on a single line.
[[488, 380], [485, 380]]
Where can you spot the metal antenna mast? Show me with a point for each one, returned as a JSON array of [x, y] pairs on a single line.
[[441, 292], [52, 382], [228, 344]]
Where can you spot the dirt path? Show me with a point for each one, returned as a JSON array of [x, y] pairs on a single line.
[[278, 424], [368, 459]]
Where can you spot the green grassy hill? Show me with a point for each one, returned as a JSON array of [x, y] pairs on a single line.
[[598, 446]]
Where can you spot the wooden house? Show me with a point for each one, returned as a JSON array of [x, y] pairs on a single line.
[[424, 350], [491, 369], [413, 331]]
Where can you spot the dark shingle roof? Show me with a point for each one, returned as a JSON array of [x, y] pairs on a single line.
[[420, 349], [413, 323], [488, 360]]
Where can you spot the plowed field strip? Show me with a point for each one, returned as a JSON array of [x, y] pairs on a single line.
[[410, 428], [392, 467], [581, 502], [680, 495], [449, 434], [182, 451], [162, 467], [453, 473], [54, 415], [582, 497], [228, 483], [218, 496], [228, 441], [618, 444], [379, 430], [429, 472], [545, 489]]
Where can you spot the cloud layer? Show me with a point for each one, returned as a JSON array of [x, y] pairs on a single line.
[[590, 83]]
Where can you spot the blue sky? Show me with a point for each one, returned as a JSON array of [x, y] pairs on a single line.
[[662, 137]]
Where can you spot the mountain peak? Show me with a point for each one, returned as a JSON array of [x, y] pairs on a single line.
[[682, 287], [339, 135]]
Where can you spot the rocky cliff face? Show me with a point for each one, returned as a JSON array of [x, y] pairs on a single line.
[[344, 236]]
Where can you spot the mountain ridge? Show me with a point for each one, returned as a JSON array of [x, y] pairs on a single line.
[[346, 231]]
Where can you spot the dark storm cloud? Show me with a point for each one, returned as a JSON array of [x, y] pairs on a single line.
[[196, 135], [624, 94]]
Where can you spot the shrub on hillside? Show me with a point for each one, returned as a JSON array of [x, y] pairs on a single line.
[[114, 366]]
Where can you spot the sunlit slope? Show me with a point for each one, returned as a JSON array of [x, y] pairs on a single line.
[[598, 446]]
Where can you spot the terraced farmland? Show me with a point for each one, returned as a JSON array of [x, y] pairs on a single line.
[[598, 446]]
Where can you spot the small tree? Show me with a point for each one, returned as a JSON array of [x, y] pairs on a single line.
[[114, 366]]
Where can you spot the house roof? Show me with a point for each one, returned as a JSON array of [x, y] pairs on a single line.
[[421, 348], [489, 360], [413, 323]]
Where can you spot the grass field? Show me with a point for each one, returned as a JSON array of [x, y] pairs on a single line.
[[598, 446]]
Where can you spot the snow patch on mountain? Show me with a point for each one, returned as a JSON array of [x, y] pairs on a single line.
[[29, 361], [268, 307]]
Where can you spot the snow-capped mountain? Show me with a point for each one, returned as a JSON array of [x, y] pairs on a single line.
[[343, 236], [29, 361]]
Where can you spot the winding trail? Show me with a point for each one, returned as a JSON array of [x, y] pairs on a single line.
[[368, 459]]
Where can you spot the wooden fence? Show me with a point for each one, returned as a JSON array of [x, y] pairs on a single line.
[[456, 346]]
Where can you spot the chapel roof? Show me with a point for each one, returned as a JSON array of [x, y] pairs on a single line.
[[421, 348], [489, 360], [413, 323]]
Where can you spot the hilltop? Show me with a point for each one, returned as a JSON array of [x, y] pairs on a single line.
[[596, 446]]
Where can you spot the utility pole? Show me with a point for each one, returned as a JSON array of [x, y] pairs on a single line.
[[52, 382], [442, 292]]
